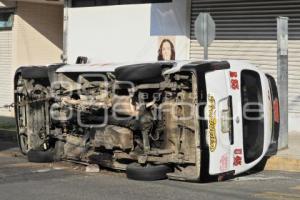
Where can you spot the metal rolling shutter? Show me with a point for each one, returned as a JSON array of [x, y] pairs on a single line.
[[247, 30], [6, 83]]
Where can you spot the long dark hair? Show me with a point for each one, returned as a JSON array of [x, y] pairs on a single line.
[[173, 53]]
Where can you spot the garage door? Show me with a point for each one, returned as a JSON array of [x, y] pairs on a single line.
[[6, 84], [247, 30]]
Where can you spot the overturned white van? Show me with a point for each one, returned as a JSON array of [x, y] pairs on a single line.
[[184, 120]]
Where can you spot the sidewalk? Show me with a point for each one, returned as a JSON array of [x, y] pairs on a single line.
[[288, 159]]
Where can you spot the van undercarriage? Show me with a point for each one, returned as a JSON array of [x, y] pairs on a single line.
[[185, 120], [106, 119]]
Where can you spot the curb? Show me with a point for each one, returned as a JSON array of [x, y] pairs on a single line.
[[278, 163], [7, 135]]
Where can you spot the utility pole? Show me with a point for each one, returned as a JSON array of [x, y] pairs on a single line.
[[282, 79]]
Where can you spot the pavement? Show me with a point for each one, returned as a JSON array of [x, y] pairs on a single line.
[[285, 160], [22, 180], [8, 135]]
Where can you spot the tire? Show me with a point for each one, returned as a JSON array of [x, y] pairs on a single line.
[[36, 156], [54, 154], [141, 73], [135, 171], [34, 72], [23, 143]]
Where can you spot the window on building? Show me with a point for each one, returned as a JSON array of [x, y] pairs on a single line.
[[88, 3], [6, 19]]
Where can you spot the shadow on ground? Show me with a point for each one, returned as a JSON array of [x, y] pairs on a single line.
[[7, 123], [8, 140], [6, 145], [260, 167]]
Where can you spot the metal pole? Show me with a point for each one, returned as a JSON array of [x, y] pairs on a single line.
[[205, 45], [282, 79], [67, 4]]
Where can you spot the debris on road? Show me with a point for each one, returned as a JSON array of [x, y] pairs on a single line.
[[92, 169]]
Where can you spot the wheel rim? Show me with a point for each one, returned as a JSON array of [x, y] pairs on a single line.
[[24, 143], [21, 119]]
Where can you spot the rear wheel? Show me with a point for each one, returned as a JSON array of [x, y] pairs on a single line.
[[37, 156]]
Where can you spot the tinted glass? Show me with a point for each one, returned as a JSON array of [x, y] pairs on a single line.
[[253, 115], [6, 20]]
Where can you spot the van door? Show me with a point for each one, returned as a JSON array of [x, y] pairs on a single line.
[[218, 113]]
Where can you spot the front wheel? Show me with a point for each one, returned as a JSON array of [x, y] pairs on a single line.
[[37, 156], [149, 172]]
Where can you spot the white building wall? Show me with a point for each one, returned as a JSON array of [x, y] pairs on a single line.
[[127, 33], [6, 85], [35, 39]]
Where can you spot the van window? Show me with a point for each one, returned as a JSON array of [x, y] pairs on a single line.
[[253, 115]]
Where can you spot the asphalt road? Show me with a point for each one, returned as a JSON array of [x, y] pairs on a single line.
[[65, 181]]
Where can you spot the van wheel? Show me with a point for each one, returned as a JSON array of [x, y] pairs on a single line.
[[23, 143], [37, 156], [149, 172], [53, 154], [40, 156]]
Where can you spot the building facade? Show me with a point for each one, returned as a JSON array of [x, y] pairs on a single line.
[[248, 30], [31, 33], [125, 31]]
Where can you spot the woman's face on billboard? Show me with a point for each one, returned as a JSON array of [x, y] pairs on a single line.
[[166, 51]]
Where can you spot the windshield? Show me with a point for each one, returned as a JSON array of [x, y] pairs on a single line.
[[253, 120]]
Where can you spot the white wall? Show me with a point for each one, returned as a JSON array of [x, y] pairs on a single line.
[[294, 121], [35, 39], [125, 33]]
